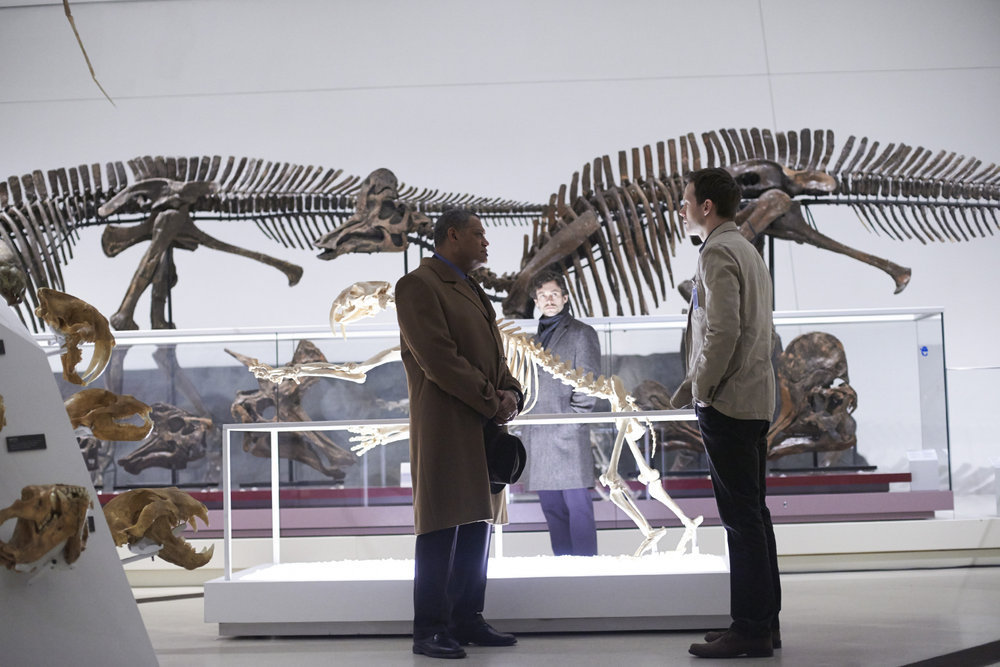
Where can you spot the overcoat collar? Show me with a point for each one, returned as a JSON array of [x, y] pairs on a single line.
[[467, 288], [727, 226], [561, 328]]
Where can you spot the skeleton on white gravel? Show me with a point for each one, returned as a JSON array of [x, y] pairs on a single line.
[[524, 357]]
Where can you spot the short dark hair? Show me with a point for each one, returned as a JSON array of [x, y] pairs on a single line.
[[548, 276], [717, 184], [457, 218]]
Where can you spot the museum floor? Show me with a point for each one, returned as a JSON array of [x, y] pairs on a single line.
[[932, 617], [853, 618]]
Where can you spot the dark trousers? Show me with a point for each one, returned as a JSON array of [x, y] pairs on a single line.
[[570, 516], [737, 457], [449, 582]]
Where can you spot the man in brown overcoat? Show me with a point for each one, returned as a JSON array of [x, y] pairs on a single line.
[[457, 380]]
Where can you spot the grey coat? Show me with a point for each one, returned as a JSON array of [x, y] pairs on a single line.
[[559, 455]]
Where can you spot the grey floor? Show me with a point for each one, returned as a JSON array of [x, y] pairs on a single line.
[[851, 618]]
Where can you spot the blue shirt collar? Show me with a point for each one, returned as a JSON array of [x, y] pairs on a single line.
[[460, 272]]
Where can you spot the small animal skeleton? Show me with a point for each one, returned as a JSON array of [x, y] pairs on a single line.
[[149, 518], [524, 358], [51, 529]]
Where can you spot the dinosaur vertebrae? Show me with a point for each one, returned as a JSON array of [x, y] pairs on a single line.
[[41, 213], [902, 191]]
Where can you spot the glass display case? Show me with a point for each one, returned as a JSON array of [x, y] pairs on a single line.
[[868, 387]]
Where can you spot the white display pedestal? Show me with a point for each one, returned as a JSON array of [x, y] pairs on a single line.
[[84, 615], [538, 594]]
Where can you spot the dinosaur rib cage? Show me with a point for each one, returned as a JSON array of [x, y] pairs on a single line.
[[901, 191], [293, 205]]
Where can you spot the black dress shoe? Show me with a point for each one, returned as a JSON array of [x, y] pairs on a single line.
[[732, 644], [483, 634], [712, 635], [440, 645]]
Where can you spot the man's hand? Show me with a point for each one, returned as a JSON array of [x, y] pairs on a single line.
[[508, 406]]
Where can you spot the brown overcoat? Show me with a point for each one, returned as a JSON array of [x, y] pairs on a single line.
[[454, 361]]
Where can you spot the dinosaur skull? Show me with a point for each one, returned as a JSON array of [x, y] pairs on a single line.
[[51, 528], [758, 176], [380, 222], [13, 280], [360, 300], [178, 437], [106, 414], [77, 322], [144, 517], [816, 399]]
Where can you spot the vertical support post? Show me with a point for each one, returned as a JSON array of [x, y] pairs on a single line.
[[227, 507], [275, 502]]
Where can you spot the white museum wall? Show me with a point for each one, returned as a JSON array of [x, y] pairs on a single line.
[[508, 100]]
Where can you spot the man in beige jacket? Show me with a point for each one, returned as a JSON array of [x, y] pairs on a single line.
[[457, 380], [730, 383]]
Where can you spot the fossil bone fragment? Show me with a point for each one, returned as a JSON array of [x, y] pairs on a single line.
[[51, 528], [75, 321], [313, 449], [107, 415], [177, 438], [145, 517]]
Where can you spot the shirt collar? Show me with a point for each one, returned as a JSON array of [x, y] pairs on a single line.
[[460, 272]]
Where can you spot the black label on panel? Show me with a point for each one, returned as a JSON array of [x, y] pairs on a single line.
[[2, 351], [24, 443]]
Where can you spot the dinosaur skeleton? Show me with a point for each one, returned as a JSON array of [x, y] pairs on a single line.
[[524, 358], [612, 234]]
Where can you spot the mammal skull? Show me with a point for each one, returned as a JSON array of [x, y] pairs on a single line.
[[360, 300], [143, 517], [13, 280], [51, 527], [106, 414], [77, 322]]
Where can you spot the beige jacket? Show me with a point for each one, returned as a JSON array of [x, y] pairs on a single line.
[[454, 361], [729, 331]]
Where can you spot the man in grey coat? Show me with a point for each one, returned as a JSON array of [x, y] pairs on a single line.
[[730, 382], [560, 465]]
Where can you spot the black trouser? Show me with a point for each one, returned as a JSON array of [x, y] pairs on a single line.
[[569, 514], [737, 458], [449, 582]]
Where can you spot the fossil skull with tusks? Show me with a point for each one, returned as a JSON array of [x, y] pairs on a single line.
[[51, 527], [75, 321], [107, 414], [142, 518], [13, 280]]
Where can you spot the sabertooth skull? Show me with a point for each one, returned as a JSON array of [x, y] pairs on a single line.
[[143, 517]]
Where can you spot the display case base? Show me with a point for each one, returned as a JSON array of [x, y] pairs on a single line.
[[537, 594]]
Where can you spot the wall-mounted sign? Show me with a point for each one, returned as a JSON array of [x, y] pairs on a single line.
[[25, 443]]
